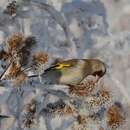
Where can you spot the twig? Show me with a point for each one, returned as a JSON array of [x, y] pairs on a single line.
[[2, 75]]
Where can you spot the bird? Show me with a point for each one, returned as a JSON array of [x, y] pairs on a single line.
[[73, 71]]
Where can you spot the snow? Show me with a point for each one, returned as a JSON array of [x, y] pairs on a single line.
[[68, 29]]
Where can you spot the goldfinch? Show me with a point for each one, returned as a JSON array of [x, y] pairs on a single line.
[[73, 71]]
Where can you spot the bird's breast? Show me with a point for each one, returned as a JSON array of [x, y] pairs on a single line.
[[73, 75]]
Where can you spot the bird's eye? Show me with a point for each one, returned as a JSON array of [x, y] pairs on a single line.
[[98, 73]]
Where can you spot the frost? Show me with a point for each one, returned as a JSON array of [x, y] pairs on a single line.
[[60, 30]]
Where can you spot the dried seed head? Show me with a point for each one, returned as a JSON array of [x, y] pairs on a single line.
[[81, 119], [82, 90], [84, 123], [115, 117], [18, 53], [19, 45], [81, 123], [39, 62], [57, 108], [30, 114], [93, 103], [20, 79], [31, 107], [77, 126], [67, 110], [101, 99], [30, 41], [40, 58], [15, 42], [11, 8], [105, 96], [14, 70], [25, 51], [78, 90], [16, 74]]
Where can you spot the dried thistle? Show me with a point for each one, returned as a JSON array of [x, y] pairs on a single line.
[[30, 114], [40, 58], [17, 53], [67, 110], [15, 42], [105, 96], [31, 107], [16, 75], [115, 117], [39, 61], [81, 119], [30, 41], [14, 70], [25, 51], [20, 47], [20, 79], [11, 8], [101, 99], [82, 90], [77, 126], [84, 122], [11, 51], [57, 108], [81, 123]]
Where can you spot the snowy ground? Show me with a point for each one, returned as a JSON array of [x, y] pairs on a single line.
[[69, 29]]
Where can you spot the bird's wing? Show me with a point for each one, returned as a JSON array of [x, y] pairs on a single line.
[[58, 66]]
